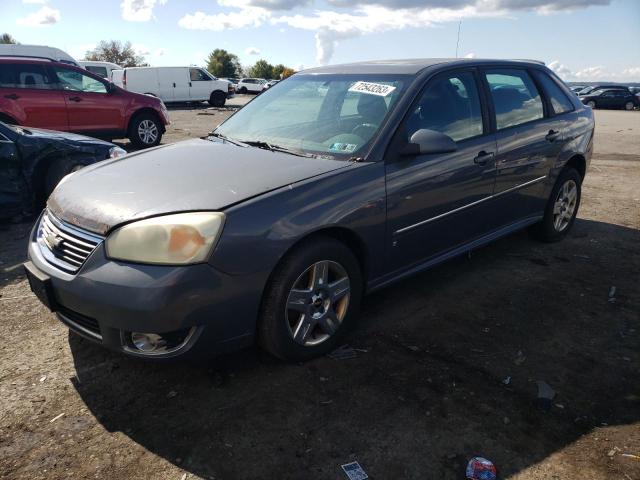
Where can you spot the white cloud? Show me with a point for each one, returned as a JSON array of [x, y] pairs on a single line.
[[365, 16], [160, 52], [470, 55], [139, 10], [595, 73], [252, 51], [44, 16], [141, 49]]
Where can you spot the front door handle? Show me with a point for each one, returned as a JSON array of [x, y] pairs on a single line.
[[483, 157], [174, 84], [75, 99], [552, 136], [12, 96]]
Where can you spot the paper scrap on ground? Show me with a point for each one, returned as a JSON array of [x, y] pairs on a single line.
[[354, 471]]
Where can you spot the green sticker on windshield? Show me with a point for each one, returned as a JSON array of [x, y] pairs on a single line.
[[343, 147]]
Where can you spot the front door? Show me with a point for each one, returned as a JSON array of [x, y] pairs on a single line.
[[200, 84], [90, 107], [437, 202]]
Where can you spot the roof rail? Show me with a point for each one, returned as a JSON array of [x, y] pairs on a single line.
[[540, 62], [40, 57]]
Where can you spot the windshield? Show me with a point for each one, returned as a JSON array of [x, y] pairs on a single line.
[[327, 115]]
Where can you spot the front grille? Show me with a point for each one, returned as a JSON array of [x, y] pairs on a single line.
[[63, 245], [80, 323]]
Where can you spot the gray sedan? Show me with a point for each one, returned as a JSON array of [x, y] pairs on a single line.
[[333, 183]]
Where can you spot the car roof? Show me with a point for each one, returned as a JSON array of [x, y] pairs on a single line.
[[412, 66]]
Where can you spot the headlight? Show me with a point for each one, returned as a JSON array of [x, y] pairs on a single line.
[[178, 239], [117, 152]]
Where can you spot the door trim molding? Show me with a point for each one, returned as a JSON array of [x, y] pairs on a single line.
[[455, 210]]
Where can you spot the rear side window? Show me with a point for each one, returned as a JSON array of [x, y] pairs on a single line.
[[559, 101], [515, 97], [450, 104], [32, 76]]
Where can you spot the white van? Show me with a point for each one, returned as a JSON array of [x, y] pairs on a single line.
[[103, 69], [36, 51], [174, 84]]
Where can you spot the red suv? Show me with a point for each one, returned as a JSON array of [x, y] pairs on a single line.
[[49, 94]]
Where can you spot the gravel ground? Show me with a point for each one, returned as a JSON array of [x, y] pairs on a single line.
[[426, 392]]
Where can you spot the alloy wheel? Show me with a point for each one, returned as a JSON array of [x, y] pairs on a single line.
[[628, 106], [565, 205], [591, 103], [148, 132], [318, 303]]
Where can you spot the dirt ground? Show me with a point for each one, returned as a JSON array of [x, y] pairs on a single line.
[[426, 392]]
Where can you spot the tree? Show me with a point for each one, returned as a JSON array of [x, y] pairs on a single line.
[[115, 52], [221, 63], [287, 72], [6, 38], [262, 69], [277, 70]]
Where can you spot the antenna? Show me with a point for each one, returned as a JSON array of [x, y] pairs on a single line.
[[458, 40]]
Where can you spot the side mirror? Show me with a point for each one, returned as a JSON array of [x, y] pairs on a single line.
[[111, 87], [429, 141]]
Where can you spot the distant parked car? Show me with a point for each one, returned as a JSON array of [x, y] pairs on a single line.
[[615, 98], [271, 83], [33, 161], [593, 88], [577, 88], [47, 94], [175, 84], [38, 51], [251, 85], [273, 227], [102, 69]]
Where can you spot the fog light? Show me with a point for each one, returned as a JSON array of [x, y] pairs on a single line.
[[147, 342]]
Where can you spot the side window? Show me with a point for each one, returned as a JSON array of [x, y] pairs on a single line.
[[102, 71], [451, 105], [73, 80], [559, 101], [198, 75], [7, 76], [515, 97], [32, 76]]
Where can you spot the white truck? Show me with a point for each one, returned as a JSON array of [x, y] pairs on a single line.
[[174, 84], [36, 51], [103, 69]]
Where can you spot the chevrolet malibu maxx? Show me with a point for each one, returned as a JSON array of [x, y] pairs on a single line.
[[331, 184]]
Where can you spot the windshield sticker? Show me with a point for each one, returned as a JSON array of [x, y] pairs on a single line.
[[343, 147], [372, 88]]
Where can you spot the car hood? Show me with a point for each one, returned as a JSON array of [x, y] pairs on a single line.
[[187, 176], [40, 133]]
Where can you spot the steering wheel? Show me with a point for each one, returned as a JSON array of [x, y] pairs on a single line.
[[364, 130]]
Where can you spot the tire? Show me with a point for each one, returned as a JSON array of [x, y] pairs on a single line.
[[329, 309], [145, 130], [217, 99], [591, 104], [561, 203], [243, 90], [629, 106], [60, 168]]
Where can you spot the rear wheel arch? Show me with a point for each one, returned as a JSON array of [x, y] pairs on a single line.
[[579, 163]]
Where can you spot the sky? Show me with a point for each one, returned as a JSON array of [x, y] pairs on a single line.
[[582, 40]]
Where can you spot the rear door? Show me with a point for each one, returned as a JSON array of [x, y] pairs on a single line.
[[528, 142], [28, 95], [90, 106], [438, 202]]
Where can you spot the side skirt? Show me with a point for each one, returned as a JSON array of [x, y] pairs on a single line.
[[394, 277]]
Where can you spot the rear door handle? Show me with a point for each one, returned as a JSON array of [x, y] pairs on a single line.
[[75, 99], [552, 136], [174, 84], [483, 157], [12, 96]]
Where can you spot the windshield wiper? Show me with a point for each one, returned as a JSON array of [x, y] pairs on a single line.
[[276, 148], [227, 139]]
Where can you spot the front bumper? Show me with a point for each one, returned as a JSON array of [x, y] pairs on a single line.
[[106, 300]]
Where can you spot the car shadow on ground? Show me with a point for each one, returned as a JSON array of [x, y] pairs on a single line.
[[446, 369]]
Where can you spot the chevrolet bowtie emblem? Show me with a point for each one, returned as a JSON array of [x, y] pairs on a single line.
[[53, 240]]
